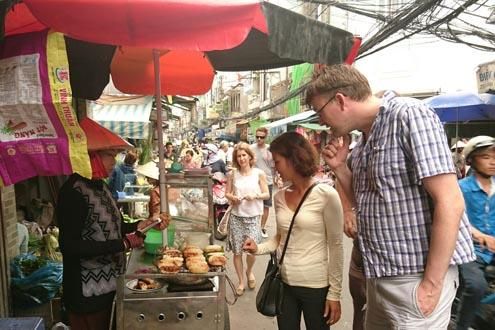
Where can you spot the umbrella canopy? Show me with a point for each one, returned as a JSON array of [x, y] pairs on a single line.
[[227, 35], [463, 106], [233, 35]]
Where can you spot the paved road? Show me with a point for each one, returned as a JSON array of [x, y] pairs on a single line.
[[243, 314]]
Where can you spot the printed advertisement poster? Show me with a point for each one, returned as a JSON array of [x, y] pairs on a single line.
[[39, 132]]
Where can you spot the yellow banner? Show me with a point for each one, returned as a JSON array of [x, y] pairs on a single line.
[[58, 74]]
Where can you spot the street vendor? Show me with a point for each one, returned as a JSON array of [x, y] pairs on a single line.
[[93, 239], [151, 173]]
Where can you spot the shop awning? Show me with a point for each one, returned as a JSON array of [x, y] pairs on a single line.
[[127, 117], [291, 119]]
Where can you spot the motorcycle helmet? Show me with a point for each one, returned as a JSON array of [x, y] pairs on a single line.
[[475, 143]]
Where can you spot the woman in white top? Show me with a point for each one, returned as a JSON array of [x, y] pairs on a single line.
[[246, 190], [312, 267]]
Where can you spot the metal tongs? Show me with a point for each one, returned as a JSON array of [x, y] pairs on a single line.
[[142, 232]]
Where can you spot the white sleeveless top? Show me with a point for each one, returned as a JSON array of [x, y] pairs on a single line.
[[244, 185]]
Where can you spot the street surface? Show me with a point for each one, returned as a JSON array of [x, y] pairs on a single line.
[[243, 315]]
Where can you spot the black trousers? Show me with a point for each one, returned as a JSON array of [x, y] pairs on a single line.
[[308, 301]]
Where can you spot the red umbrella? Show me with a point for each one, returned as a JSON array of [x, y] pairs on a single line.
[[233, 35], [228, 36], [182, 72]]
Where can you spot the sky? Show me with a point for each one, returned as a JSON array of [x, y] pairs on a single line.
[[420, 64]]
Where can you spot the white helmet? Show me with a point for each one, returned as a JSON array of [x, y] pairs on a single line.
[[458, 145], [477, 142]]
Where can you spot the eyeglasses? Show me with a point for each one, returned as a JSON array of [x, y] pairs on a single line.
[[324, 105], [330, 99], [259, 137]]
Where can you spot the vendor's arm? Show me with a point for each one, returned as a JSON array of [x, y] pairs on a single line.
[[71, 213], [154, 203]]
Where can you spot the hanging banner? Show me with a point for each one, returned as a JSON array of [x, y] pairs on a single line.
[[39, 132]]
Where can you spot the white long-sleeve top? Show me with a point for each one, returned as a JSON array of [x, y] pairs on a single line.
[[314, 257]]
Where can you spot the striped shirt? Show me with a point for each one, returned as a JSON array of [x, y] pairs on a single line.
[[406, 144]]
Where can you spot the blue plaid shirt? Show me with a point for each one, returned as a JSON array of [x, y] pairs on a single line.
[[406, 144]]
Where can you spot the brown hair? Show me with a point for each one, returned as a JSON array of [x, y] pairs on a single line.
[[339, 78], [262, 129], [297, 149], [130, 157], [243, 146]]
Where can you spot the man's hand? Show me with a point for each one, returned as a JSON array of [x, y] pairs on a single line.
[[350, 227], [335, 152], [332, 311], [486, 241], [428, 296]]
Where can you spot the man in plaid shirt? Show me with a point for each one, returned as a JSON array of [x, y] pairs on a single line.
[[412, 229]]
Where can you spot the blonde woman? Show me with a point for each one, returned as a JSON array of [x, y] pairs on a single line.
[[246, 190]]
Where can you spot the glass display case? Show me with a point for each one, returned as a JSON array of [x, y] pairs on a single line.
[[190, 201]]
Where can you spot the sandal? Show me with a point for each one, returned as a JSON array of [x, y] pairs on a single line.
[[239, 291], [251, 283]]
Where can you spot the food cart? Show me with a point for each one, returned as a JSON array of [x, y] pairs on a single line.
[[181, 300]]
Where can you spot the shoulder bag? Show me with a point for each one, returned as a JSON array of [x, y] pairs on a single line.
[[223, 225], [270, 296]]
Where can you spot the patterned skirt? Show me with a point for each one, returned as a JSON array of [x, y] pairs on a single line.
[[240, 228]]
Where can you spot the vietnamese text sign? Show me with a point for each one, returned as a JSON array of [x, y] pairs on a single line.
[[485, 76], [39, 132]]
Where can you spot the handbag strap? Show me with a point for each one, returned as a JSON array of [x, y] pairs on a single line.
[[292, 221]]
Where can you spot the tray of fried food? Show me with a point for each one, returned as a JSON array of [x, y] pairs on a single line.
[[195, 260], [192, 251], [171, 252], [215, 256], [169, 265]]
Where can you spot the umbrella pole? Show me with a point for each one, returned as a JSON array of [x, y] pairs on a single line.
[[159, 132]]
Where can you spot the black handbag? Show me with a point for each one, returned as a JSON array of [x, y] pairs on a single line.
[[269, 299]]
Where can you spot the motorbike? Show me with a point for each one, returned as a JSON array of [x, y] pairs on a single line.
[[485, 317], [220, 202]]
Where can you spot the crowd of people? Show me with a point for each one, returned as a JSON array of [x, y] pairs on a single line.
[[421, 213]]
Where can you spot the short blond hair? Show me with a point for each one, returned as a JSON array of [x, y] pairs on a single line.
[[339, 78]]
